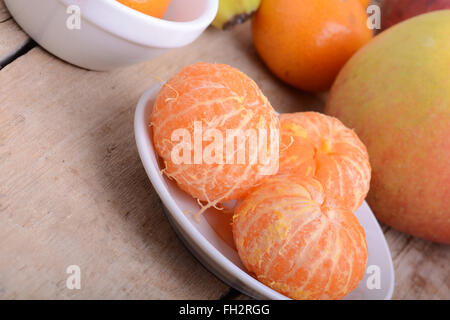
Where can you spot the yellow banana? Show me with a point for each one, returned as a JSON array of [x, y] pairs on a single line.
[[233, 12]]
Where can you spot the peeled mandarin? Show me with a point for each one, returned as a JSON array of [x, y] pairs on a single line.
[[320, 146], [297, 245], [222, 98]]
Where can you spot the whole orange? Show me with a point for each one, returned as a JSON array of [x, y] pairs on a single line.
[[306, 43], [154, 8], [365, 3]]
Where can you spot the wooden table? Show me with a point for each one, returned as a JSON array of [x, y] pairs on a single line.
[[73, 190]]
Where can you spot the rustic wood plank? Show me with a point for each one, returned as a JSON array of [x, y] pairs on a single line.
[[421, 267], [73, 190], [12, 38]]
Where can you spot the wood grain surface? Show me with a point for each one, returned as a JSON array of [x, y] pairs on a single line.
[[73, 190]]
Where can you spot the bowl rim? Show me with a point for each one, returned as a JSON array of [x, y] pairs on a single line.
[[140, 21]]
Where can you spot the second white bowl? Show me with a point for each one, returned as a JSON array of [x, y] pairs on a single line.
[[111, 35]]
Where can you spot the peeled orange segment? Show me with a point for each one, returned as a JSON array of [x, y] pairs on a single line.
[[154, 8], [295, 244], [219, 97], [313, 144]]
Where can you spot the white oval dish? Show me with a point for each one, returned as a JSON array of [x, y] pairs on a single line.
[[222, 259], [111, 35]]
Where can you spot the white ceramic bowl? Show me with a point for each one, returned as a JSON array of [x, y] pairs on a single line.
[[215, 253], [111, 35]]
